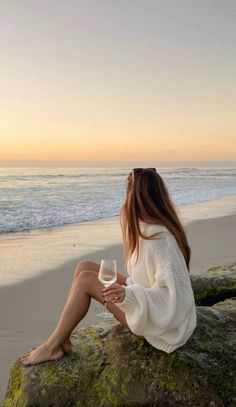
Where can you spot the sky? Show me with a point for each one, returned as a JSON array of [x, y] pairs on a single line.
[[117, 80]]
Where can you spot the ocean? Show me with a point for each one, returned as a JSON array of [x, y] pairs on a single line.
[[36, 198], [49, 216]]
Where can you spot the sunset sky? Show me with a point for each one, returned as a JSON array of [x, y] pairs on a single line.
[[117, 80]]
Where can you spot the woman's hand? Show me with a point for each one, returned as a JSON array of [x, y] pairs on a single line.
[[114, 293]]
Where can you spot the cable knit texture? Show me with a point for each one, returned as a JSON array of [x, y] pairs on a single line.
[[159, 303]]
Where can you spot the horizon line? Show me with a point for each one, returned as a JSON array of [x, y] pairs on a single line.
[[86, 163]]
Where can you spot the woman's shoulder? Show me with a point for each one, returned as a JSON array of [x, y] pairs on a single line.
[[151, 228], [162, 237]]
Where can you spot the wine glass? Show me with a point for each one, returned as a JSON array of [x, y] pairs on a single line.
[[107, 275]]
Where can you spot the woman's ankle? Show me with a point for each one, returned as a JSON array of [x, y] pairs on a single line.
[[53, 345]]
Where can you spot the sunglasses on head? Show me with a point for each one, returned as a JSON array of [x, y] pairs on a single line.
[[136, 170]]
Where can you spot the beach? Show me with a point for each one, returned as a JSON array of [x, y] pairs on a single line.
[[30, 308]]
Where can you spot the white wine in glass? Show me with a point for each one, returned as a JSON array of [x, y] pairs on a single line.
[[107, 275]]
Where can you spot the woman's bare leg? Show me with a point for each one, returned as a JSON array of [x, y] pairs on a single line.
[[86, 265], [86, 286], [91, 265], [83, 265]]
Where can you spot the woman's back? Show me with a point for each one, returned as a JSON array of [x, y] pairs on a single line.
[[159, 302]]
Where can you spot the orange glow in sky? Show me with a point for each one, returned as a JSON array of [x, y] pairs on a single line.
[[115, 82]]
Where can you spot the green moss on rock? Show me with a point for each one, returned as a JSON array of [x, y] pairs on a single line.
[[15, 392], [109, 366]]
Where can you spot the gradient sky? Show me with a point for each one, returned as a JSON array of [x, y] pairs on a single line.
[[117, 80]]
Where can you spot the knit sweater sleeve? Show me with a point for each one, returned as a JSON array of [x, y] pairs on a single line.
[[162, 307]]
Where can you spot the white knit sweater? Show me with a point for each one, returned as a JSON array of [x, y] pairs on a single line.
[[159, 303]]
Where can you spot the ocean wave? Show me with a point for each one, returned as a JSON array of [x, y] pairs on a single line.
[[32, 200]]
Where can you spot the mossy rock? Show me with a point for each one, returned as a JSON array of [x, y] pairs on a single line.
[[216, 284], [109, 366]]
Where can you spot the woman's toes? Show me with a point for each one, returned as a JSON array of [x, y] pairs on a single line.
[[25, 361]]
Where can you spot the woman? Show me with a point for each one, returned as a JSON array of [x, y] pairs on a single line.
[[156, 301]]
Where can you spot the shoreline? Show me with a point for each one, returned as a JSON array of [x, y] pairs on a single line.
[[25, 255], [30, 308], [117, 250]]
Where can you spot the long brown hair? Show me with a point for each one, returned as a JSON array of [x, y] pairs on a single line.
[[147, 199]]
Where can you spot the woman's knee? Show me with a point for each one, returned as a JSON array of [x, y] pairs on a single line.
[[84, 265], [85, 277]]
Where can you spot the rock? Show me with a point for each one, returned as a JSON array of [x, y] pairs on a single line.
[[110, 366], [216, 284]]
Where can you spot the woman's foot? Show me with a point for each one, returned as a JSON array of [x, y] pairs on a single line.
[[41, 354], [67, 345]]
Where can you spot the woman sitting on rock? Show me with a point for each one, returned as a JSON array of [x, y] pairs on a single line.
[[156, 301]]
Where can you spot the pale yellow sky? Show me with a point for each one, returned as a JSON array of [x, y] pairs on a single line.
[[114, 82]]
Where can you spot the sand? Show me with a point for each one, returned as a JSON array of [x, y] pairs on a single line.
[[29, 310], [29, 253]]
